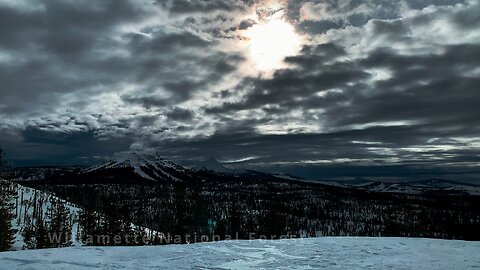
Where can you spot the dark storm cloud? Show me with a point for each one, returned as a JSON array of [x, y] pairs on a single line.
[[34, 146], [147, 100], [172, 62], [246, 24], [430, 88], [177, 85], [79, 42], [180, 114], [63, 26], [60, 37], [419, 4], [319, 27], [339, 14], [74, 58], [332, 155], [425, 97], [349, 144], [380, 95], [314, 73], [200, 6]]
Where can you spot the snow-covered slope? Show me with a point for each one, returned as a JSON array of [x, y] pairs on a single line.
[[146, 166], [29, 200], [313, 253], [211, 164]]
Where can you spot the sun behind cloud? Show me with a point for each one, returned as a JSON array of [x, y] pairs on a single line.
[[270, 41]]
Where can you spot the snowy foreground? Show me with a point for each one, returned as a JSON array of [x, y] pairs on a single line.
[[313, 253]]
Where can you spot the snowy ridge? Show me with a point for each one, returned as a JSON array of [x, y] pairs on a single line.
[[311, 253], [421, 187], [413, 187], [470, 190], [305, 180], [147, 166], [289, 177]]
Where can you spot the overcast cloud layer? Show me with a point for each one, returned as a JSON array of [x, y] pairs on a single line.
[[384, 89]]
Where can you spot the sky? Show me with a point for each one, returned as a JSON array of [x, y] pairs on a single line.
[[321, 89]]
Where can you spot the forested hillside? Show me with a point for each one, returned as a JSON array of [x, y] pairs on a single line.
[[250, 206]]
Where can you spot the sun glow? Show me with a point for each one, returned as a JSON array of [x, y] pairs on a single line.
[[270, 41]]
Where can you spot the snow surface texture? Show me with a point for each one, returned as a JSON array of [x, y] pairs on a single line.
[[313, 253]]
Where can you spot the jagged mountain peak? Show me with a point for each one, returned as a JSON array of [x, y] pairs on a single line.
[[211, 164], [139, 158], [146, 165]]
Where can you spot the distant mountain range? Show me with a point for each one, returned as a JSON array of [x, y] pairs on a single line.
[[137, 167], [431, 186]]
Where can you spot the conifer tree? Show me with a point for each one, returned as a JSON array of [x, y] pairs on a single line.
[[60, 228], [27, 234], [7, 233], [41, 235], [89, 225]]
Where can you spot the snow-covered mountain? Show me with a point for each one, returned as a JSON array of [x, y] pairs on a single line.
[[211, 164], [312, 253], [150, 167]]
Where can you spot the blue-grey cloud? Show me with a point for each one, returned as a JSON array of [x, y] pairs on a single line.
[[384, 86]]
